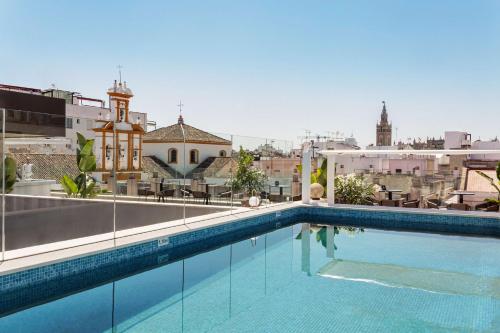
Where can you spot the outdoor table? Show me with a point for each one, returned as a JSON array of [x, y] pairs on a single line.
[[207, 198], [461, 195], [281, 187], [390, 192]]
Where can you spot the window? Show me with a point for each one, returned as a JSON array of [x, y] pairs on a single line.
[[222, 153], [77, 120], [399, 171], [172, 156], [69, 122], [193, 156]]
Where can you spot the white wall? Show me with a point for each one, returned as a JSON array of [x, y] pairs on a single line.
[[494, 144], [353, 164], [160, 150], [455, 139]]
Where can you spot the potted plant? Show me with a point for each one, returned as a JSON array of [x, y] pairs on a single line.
[[247, 178], [9, 178], [83, 185], [353, 190]]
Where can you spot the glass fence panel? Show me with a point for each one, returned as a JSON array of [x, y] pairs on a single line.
[[2, 185], [152, 175], [57, 198], [269, 175], [455, 182]]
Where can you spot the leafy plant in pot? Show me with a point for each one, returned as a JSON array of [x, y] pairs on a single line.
[[83, 186], [9, 176], [247, 178]]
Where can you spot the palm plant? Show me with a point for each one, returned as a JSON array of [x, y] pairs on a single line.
[[319, 176], [494, 183], [9, 178], [83, 185]]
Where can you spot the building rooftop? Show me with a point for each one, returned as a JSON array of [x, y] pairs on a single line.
[[173, 133]]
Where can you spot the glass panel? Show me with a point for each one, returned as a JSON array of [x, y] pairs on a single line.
[[58, 198], [2, 185]]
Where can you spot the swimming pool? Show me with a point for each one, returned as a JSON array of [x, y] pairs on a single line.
[[301, 278]]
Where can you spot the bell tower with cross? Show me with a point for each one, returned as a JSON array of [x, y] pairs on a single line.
[[384, 129], [118, 142]]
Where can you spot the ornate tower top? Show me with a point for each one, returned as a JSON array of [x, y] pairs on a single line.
[[383, 116], [384, 129]]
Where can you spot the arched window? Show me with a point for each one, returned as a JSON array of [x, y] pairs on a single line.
[[222, 153], [172, 155], [193, 156]]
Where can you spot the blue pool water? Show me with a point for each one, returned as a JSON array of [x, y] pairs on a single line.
[[302, 278]]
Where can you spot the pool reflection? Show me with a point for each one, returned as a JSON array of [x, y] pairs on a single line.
[[190, 295]]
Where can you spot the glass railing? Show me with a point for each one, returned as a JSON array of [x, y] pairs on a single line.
[[454, 182], [62, 190]]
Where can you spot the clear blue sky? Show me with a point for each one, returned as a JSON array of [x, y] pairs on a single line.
[[270, 68]]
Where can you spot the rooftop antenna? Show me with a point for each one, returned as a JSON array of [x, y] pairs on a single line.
[[120, 72]]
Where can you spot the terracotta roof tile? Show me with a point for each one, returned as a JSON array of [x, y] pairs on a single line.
[[173, 133], [48, 166]]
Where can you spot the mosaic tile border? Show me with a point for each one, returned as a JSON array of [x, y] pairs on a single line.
[[437, 222], [386, 219]]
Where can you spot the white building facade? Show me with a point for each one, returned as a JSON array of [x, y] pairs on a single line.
[[183, 147]]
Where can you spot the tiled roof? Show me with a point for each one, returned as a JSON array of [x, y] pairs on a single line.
[[216, 167], [48, 166], [173, 133], [152, 164]]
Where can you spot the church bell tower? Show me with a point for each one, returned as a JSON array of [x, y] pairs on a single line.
[[384, 129]]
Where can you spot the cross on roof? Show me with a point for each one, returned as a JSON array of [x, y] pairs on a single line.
[[180, 105], [120, 72]]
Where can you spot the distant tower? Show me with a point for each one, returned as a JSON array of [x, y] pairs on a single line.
[[384, 129]]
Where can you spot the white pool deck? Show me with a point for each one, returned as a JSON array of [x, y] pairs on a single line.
[[26, 258]]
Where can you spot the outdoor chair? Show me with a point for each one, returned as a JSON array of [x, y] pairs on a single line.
[[432, 203], [201, 195], [145, 193], [371, 202], [405, 197], [389, 203], [226, 195], [487, 207], [185, 192], [458, 206], [164, 194], [411, 204]]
